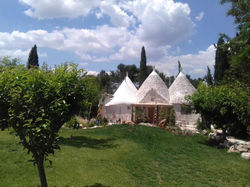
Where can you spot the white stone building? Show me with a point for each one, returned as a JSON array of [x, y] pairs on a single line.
[[152, 98]]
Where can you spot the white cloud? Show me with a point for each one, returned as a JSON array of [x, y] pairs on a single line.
[[95, 73], [157, 24], [118, 17], [162, 22], [44, 9], [15, 53], [83, 42], [200, 16], [194, 64]]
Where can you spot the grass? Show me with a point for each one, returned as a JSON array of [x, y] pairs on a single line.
[[125, 156]]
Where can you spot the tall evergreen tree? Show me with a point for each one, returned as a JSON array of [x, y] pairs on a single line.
[[33, 58], [221, 59], [209, 78], [179, 67], [238, 46], [143, 67]]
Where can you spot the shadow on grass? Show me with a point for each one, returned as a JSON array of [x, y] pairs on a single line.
[[97, 185], [83, 141], [212, 144]]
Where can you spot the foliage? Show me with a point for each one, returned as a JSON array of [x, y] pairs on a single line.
[[186, 109], [239, 57], [105, 81], [221, 59], [36, 104], [33, 58], [202, 125], [168, 114], [170, 117], [92, 95], [132, 71], [226, 106], [239, 10], [194, 82], [140, 114], [143, 67], [72, 123], [239, 46], [179, 67], [8, 62], [209, 78]]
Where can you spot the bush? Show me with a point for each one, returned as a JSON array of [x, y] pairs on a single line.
[[171, 117], [73, 123], [227, 107], [202, 125]]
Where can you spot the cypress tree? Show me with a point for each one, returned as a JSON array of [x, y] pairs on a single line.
[[221, 60], [33, 58], [179, 67], [209, 78], [143, 67]]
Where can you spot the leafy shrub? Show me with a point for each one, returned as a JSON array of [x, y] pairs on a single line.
[[202, 125], [186, 109], [91, 124], [170, 117], [103, 121], [226, 106], [73, 123], [168, 114]]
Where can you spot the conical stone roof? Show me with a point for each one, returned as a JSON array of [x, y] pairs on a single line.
[[125, 94], [153, 82], [180, 88]]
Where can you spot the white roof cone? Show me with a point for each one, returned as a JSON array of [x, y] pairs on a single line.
[[180, 88], [125, 94], [153, 82]]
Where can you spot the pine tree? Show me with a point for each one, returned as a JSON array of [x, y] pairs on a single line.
[[209, 78], [221, 60], [33, 58], [143, 67], [179, 67]]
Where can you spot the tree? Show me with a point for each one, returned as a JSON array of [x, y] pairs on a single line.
[[143, 67], [104, 80], [33, 58], [7, 62], [195, 82], [226, 106], [239, 45], [209, 78], [239, 10], [36, 104], [92, 95], [221, 59], [179, 67]]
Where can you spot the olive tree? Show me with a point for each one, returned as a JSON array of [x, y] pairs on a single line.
[[36, 103]]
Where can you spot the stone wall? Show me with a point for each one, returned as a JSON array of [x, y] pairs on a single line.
[[185, 121]]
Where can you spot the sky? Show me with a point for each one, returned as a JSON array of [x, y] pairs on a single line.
[[100, 34]]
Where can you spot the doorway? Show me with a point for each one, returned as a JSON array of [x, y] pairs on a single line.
[[151, 114]]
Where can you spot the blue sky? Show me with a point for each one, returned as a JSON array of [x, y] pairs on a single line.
[[100, 34]]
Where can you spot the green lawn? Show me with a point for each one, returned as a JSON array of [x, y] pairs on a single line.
[[125, 156]]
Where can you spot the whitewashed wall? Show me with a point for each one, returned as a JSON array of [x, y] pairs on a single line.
[[187, 121], [117, 113]]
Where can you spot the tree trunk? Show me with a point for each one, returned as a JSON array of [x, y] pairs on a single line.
[[40, 167]]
